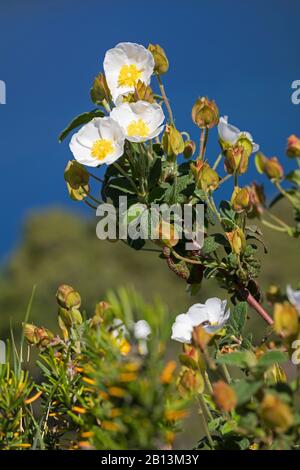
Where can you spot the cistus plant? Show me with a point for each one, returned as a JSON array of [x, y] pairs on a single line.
[[106, 383], [245, 399]]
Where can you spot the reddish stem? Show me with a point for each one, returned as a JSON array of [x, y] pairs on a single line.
[[256, 305]]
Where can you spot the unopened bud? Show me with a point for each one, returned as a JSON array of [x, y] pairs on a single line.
[[275, 374], [286, 320], [38, 336], [269, 166], [100, 90], [189, 149], [236, 160], [241, 200], [67, 297], [161, 63], [200, 337], [257, 198], [237, 240], [293, 146], [207, 178], [191, 357], [276, 414], [142, 92], [173, 143], [77, 179], [224, 396], [205, 113], [167, 234], [190, 382]]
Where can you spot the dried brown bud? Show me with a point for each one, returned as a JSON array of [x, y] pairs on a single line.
[[224, 396]]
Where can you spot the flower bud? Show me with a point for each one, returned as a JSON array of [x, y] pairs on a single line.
[[236, 160], [77, 179], [207, 178], [224, 396], [189, 149], [241, 200], [269, 166], [99, 315], [38, 336], [167, 234], [285, 319], [205, 113], [67, 297], [190, 382], [246, 143], [161, 63], [141, 92], [100, 90], [191, 357], [276, 414], [257, 199], [293, 146], [237, 240], [173, 143]]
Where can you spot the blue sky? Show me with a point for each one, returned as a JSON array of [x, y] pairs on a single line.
[[245, 55]]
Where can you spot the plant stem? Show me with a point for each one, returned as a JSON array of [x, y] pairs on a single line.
[[254, 304], [272, 226], [187, 260], [90, 205], [208, 382], [166, 101], [235, 179], [207, 432], [123, 172], [96, 177], [203, 143], [226, 373], [218, 159]]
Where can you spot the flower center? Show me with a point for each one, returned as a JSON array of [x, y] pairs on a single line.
[[139, 128], [129, 76], [102, 148]]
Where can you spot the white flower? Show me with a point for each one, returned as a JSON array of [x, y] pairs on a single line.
[[119, 328], [99, 141], [182, 329], [230, 134], [141, 330], [140, 121], [293, 296], [125, 65], [212, 316]]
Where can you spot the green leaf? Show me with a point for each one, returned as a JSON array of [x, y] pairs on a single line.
[[238, 317], [245, 390], [239, 359], [83, 118], [271, 357], [155, 173], [226, 211], [212, 243]]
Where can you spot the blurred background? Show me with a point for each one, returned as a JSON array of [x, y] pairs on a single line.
[[245, 55]]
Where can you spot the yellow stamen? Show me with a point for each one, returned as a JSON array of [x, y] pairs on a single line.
[[138, 128], [129, 76], [102, 148], [117, 392]]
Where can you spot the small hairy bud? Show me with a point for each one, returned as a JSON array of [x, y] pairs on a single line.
[[293, 146], [224, 396], [161, 63], [205, 113]]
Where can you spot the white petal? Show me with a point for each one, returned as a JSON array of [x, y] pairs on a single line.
[[141, 329], [198, 314], [214, 309], [227, 132], [182, 332], [293, 296]]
